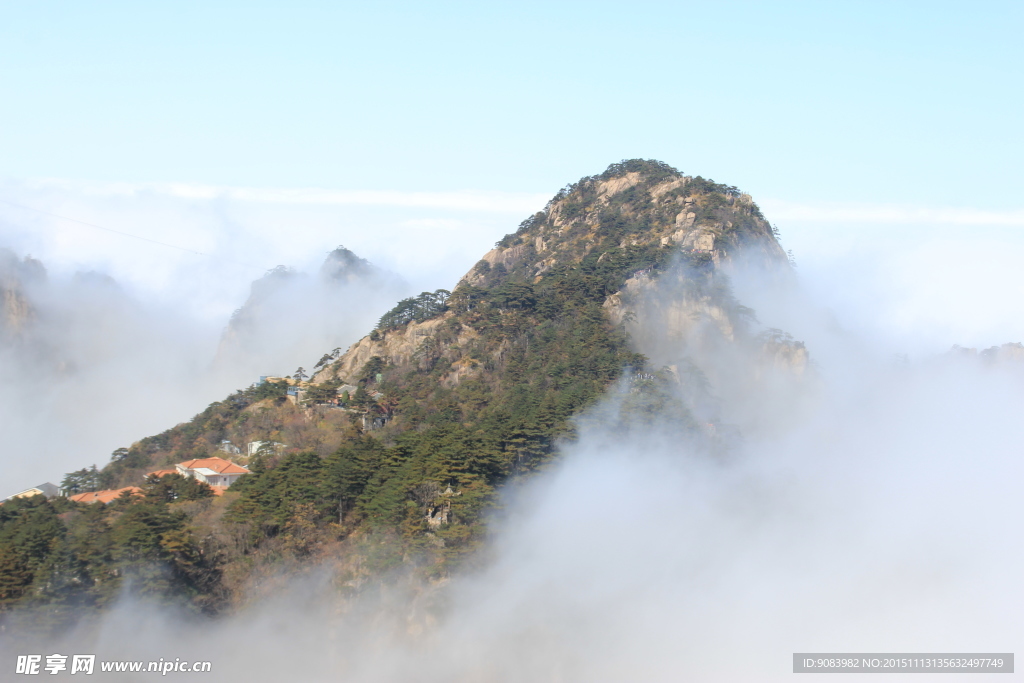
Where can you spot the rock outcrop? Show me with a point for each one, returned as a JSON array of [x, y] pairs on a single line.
[[636, 207], [658, 206], [16, 275]]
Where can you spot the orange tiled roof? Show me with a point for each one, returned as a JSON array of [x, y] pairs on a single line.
[[104, 496], [218, 465], [160, 473]]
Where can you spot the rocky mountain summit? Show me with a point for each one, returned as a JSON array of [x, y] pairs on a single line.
[[637, 213]]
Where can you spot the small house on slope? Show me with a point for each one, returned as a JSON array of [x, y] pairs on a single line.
[[213, 471], [228, 447]]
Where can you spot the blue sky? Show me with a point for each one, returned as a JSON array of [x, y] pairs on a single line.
[[419, 133], [871, 102]]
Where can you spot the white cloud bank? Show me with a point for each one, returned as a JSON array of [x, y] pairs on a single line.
[[778, 210]]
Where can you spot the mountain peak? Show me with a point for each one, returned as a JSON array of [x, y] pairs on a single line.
[[633, 204], [342, 265]]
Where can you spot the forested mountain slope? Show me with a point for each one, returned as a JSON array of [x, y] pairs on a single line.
[[391, 455]]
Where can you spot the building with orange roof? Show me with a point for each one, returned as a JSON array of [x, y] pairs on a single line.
[[104, 496], [161, 473], [214, 471]]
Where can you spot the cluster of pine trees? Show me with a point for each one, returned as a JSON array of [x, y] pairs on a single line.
[[68, 557], [418, 308]]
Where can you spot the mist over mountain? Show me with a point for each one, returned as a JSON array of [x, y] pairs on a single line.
[[290, 318], [15, 276], [88, 366], [624, 446]]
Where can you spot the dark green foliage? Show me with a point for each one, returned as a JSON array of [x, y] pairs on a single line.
[[84, 480], [29, 531], [172, 487], [360, 399], [322, 393], [263, 391], [514, 295], [425, 306], [137, 531], [350, 469], [64, 556], [371, 369], [652, 169], [704, 186], [271, 497]]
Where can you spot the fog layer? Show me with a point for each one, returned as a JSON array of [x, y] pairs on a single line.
[[864, 504], [87, 366]]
